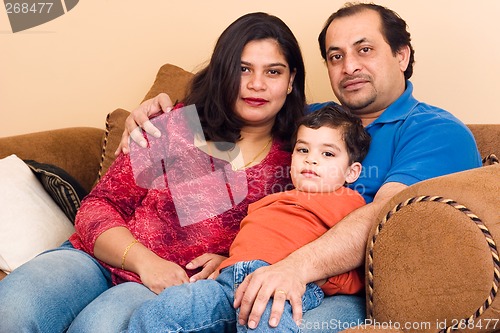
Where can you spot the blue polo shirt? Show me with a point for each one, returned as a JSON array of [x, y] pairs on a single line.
[[411, 142]]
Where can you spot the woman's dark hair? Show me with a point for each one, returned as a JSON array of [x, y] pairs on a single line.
[[215, 89], [356, 138], [393, 29]]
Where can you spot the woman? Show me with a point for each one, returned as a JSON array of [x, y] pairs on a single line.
[[129, 244]]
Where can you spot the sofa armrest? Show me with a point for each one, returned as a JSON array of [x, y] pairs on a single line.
[[432, 258], [77, 150]]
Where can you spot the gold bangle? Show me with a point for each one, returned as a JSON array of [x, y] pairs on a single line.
[[126, 252]]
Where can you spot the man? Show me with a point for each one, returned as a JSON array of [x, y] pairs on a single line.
[[369, 58]]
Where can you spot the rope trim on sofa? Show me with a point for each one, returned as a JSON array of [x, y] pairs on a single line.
[[474, 218], [104, 145], [490, 160]]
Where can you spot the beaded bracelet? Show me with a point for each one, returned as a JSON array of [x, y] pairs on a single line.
[[126, 252]]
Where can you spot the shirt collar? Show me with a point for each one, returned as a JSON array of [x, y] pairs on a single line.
[[400, 108]]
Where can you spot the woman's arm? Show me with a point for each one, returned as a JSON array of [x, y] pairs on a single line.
[[118, 247], [111, 203], [102, 226]]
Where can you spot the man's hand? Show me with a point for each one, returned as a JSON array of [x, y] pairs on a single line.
[[279, 281], [209, 262], [337, 251], [139, 118]]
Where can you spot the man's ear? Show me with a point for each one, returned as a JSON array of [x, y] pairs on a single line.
[[403, 56], [353, 172]]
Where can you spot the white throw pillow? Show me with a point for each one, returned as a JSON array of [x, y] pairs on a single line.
[[30, 221]]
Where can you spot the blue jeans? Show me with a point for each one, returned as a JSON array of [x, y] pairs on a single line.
[[207, 306], [66, 289], [335, 314]]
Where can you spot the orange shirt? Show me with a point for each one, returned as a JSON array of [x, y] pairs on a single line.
[[280, 223]]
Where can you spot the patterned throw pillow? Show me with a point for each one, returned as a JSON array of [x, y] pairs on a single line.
[[63, 189]]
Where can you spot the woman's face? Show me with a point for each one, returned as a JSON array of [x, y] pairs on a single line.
[[266, 79]]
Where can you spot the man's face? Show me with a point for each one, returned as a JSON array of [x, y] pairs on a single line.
[[365, 75]]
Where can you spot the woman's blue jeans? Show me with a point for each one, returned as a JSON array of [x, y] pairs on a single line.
[[66, 289]]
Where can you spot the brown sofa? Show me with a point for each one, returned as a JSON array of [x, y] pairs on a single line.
[[431, 260]]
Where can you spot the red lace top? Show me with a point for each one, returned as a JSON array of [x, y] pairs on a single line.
[[154, 215]]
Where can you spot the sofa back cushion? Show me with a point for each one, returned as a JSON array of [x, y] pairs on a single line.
[[487, 138]]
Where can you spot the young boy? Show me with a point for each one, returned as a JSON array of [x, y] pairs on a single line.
[[329, 146]]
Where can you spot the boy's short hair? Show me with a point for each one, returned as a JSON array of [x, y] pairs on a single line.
[[355, 136]]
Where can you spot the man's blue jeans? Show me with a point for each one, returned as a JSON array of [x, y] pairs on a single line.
[[335, 314], [207, 306]]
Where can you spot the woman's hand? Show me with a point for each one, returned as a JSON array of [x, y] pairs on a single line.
[[209, 262], [157, 274], [139, 118]]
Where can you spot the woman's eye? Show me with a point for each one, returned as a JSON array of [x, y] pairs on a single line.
[[244, 69], [274, 72]]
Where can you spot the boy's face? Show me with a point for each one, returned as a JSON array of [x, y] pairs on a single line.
[[320, 162]]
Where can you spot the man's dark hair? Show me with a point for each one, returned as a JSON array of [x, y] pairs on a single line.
[[393, 29], [356, 138]]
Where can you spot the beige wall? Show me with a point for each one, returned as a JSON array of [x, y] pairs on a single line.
[[104, 54]]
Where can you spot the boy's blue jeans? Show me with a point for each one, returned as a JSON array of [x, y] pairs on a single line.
[[207, 306]]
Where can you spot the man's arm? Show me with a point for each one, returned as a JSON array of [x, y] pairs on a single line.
[[139, 118], [339, 250]]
